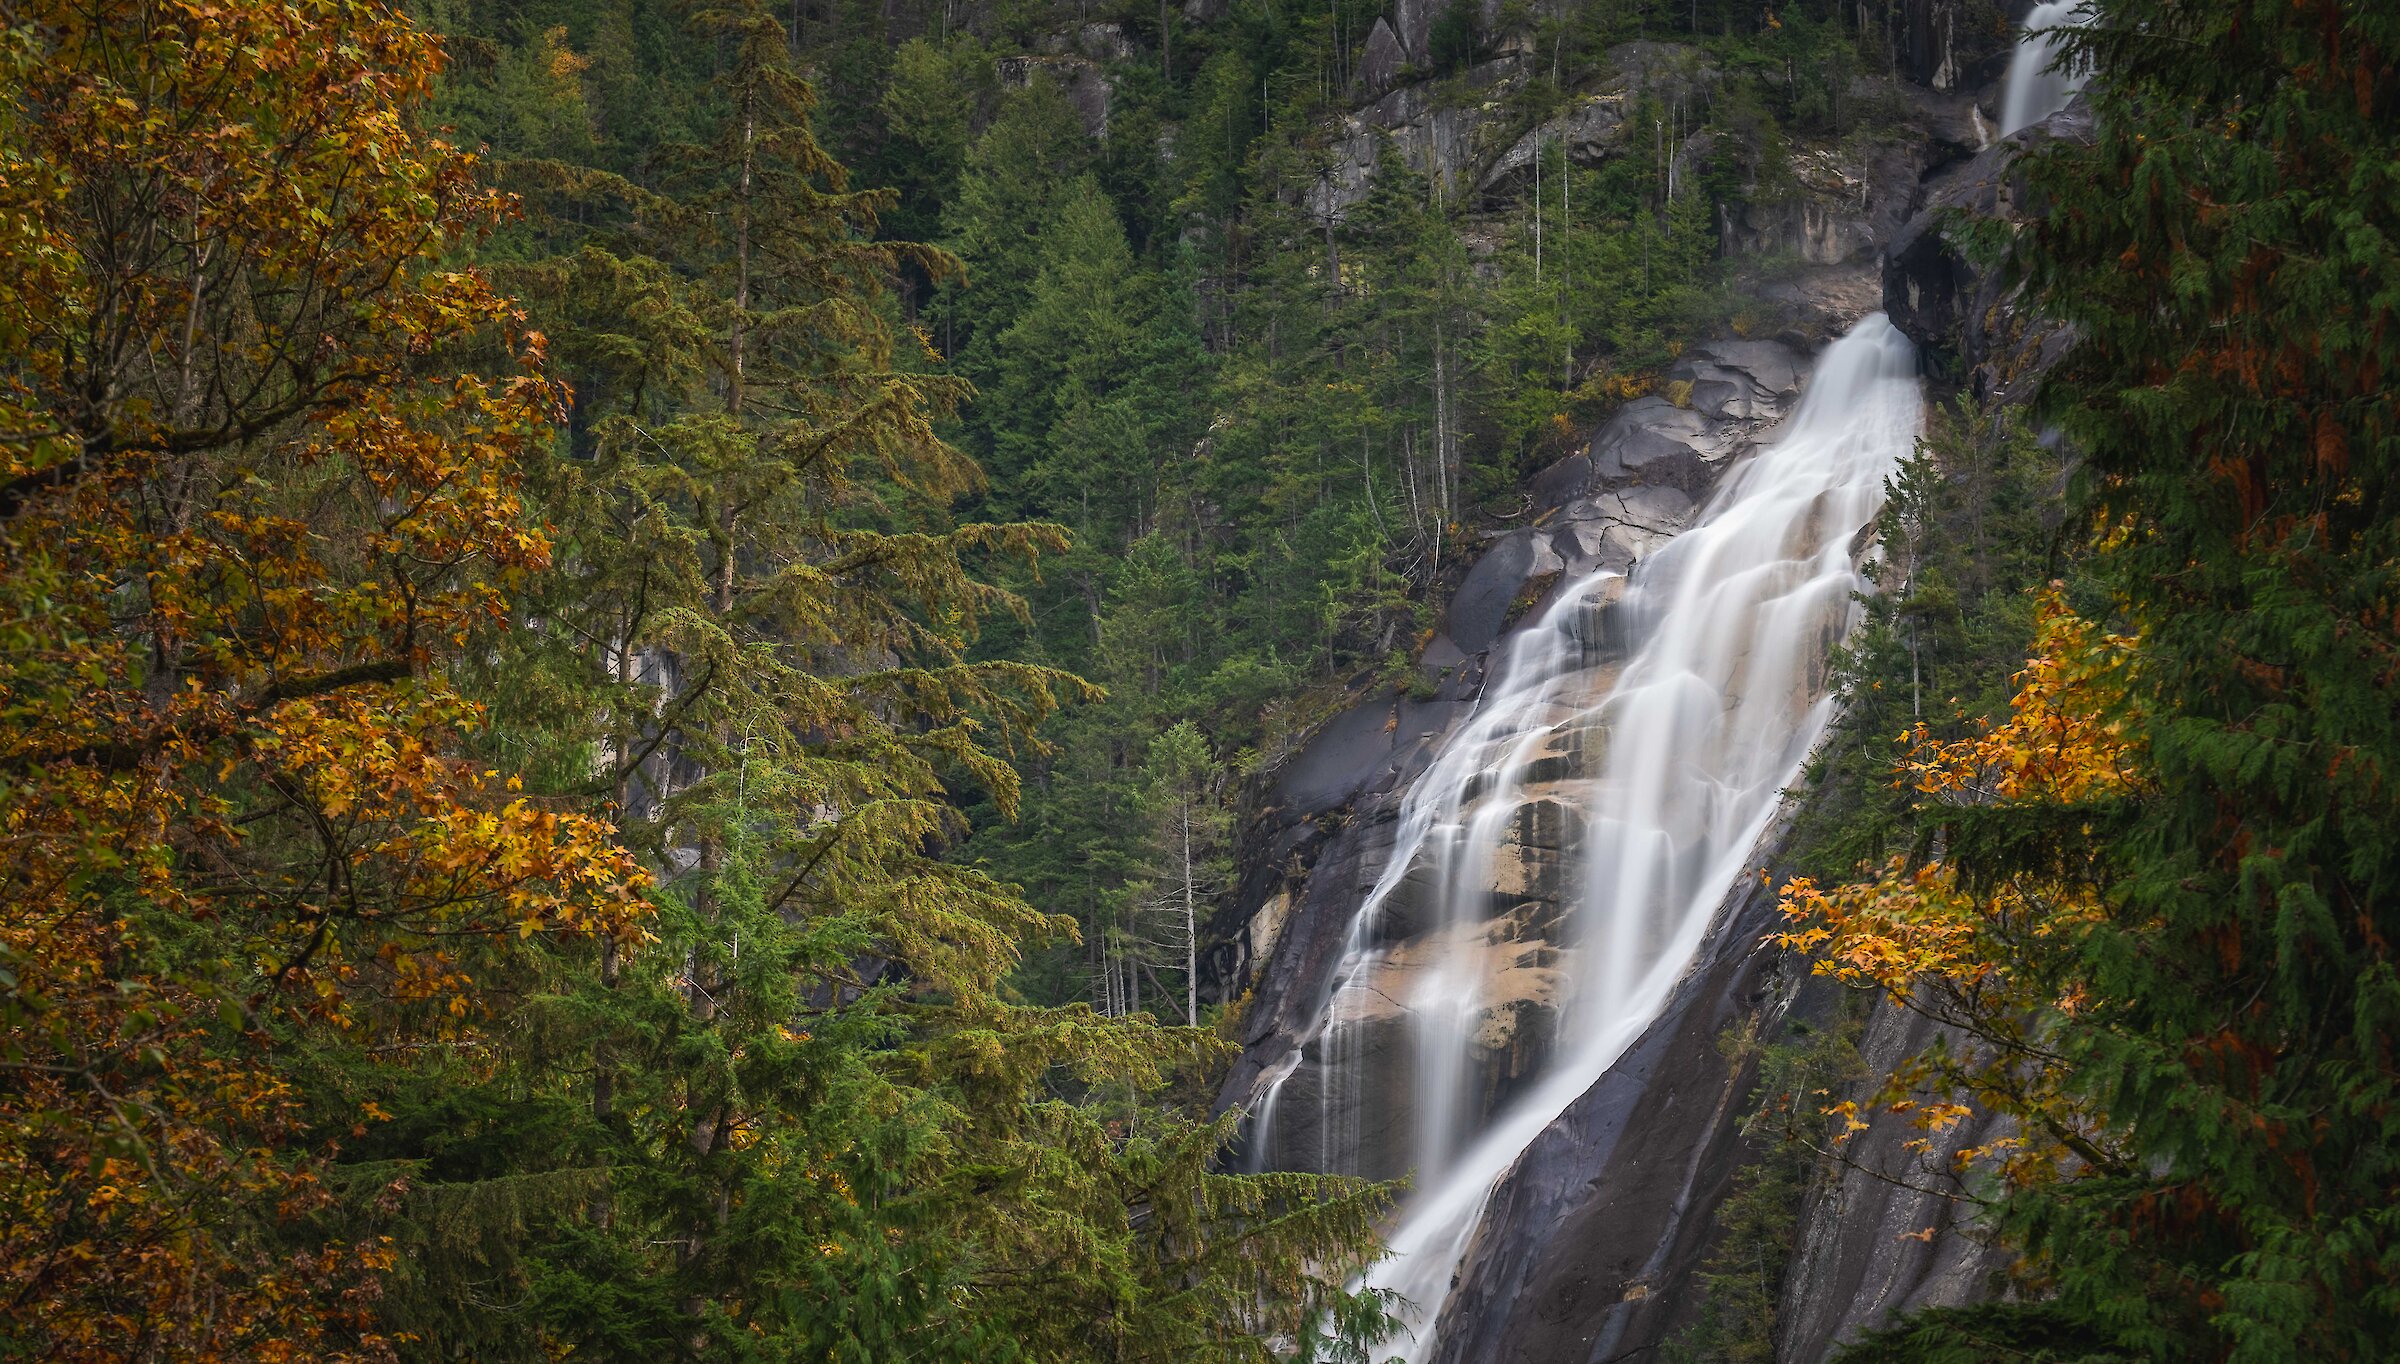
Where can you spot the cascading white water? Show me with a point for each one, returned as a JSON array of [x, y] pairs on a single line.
[[1663, 711], [2036, 90]]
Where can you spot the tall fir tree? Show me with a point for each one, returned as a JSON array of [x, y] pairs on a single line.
[[2182, 950], [814, 1122], [2228, 251]]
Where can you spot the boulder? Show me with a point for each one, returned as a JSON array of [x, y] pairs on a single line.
[[1481, 608], [1740, 380], [1357, 749], [1951, 308], [1381, 61], [1654, 442], [1086, 86]]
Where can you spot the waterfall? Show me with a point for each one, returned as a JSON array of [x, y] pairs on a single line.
[[1637, 737], [2035, 91]]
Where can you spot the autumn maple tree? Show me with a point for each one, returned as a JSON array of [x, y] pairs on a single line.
[[250, 502], [1986, 952]]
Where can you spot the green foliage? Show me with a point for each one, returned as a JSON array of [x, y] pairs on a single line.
[[2224, 252], [838, 519], [1597, 288], [1971, 526], [931, 102], [1991, 1333], [810, 1118], [1741, 1281], [1269, 435], [2229, 253], [1018, 175]]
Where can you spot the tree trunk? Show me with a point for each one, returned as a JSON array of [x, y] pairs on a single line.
[[1191, 926]]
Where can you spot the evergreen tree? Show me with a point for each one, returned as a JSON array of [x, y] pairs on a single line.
[[2165, 886], [1018, 176], [1182, 795], [2226, 253], [821, 1127]]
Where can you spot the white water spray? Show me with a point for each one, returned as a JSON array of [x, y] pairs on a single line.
[[1656, 717], [2035, 90]]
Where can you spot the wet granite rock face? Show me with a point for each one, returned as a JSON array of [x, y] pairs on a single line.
[[1588, 1250], [1956, 311], [1845, 206], [1637, 482], [1717, 400], [1458, 143], [1740, 381], [1590, 1246], [1331, 821], [1590, 132], [1338, 812], [1430, 135], [1381, 61], [1480, 609], [1413, 21], [1884, 1237]]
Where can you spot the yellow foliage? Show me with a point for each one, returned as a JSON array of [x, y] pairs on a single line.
[[247, 514], [1970, 955]]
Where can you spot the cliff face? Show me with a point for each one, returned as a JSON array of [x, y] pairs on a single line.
[[1954, 308], [1589, 1246], [1331, 827]]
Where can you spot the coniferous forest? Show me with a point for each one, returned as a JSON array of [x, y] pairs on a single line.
[[653, 657]]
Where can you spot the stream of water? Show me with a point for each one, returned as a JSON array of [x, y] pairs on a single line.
[[1655, 717], [2035, 90]]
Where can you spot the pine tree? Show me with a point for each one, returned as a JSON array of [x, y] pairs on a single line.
[[1189, 828], [821, 1126]]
